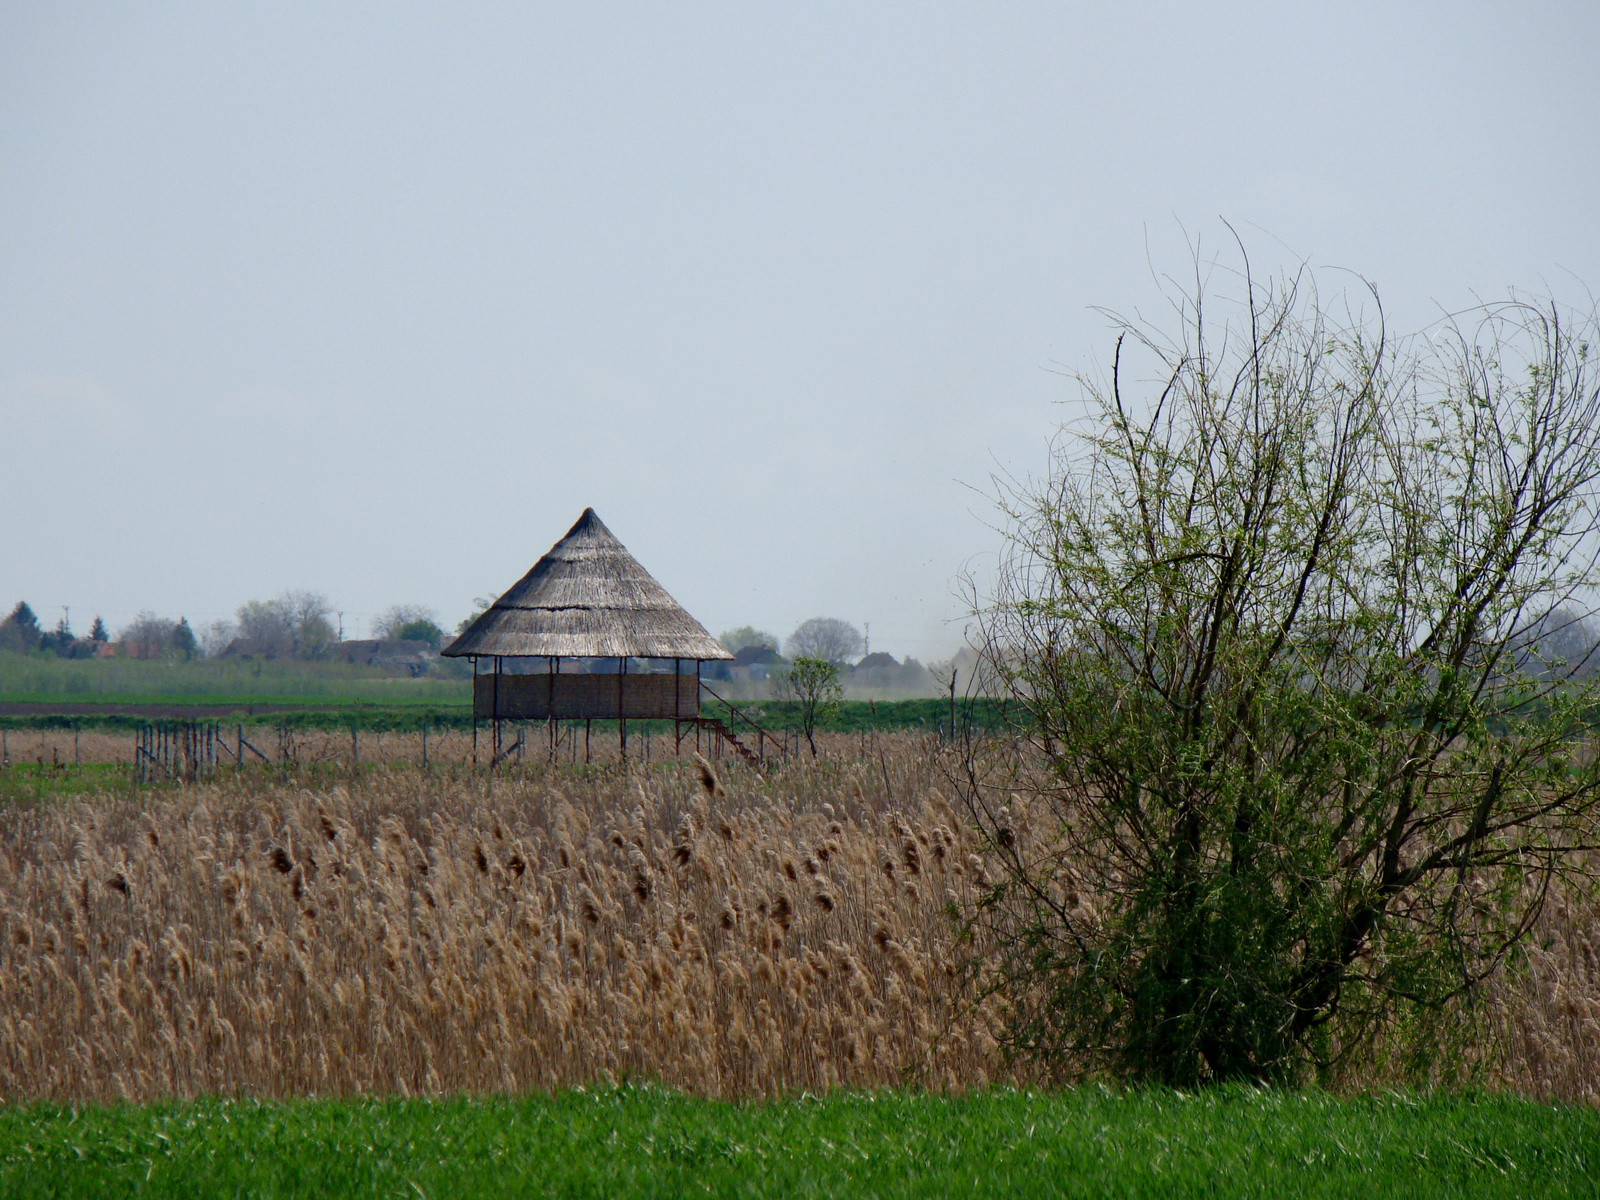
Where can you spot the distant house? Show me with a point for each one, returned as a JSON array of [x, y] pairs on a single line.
[[757, 655], [755, 662], [880, 670], [877, 661], [391, 654], [140, 649]]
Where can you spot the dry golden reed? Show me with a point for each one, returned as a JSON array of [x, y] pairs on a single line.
[[64, 747], [331, 747], [427, 932], [1550, 1011], [276, 934]]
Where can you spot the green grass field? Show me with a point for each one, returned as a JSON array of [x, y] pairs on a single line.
[[43, 677], [647, 1142], [408, 712]]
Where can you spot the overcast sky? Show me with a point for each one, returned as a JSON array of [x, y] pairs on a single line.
[[373, 300]]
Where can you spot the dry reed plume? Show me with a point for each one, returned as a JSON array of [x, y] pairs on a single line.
[[453, 931], [1550, 1014], [405, 931]]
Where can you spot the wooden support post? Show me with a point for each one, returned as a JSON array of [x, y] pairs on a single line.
[[622, 720], [495, 739]]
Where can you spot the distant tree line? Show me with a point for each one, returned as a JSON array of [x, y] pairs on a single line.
[[21, 633], [296, 625], [303, 626], [834, 642]]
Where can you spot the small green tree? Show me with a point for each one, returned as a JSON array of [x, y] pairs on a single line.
[[422, 630], [735, 640], [20, 631], [182, 640], [813, 684], [1308, 779], [59, 641], [409, 622]]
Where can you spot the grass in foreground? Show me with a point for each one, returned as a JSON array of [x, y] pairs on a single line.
[[651, 1142]]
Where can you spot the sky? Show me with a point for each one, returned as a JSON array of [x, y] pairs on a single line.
[[374, 299]]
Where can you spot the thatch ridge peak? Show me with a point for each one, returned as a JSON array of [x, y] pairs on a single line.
[[587, 598]]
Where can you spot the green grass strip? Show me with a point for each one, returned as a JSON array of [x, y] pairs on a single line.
[[651, 1142], [455, 711], [447, 695]]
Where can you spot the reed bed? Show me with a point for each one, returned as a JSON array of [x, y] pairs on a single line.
[[447, 931], [305, 747], [284, 932], [64, 747], [1549, 1012]]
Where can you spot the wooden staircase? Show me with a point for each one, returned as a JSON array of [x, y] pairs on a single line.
[[720, 729], [716, 727]]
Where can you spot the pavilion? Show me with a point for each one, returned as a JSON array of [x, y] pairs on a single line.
[[586, 635]]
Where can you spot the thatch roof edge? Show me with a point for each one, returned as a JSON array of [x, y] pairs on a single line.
[[586, 598]]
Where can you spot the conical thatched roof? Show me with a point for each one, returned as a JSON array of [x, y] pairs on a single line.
[[587, 598]]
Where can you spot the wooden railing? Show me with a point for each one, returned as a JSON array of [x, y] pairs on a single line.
[[780, 747]]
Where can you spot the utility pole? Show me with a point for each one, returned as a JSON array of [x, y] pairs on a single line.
[[867, 625]]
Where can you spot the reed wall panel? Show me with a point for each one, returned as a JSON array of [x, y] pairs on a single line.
[[576, 697]]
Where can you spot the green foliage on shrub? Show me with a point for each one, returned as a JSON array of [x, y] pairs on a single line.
[[1277, 627]]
